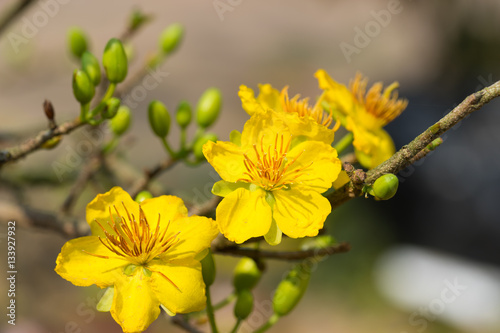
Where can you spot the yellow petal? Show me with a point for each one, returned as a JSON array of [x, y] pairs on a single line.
[[98, 209], [223, 188], [226, 158], [307, 127], [269, 98], [76, 265], [377, 148], [319, 163], [300, 212], [135, 305], [248, 101], [180, 289], [244, 214], [337, 95], [262, 128], [167, 207], [195, 235], [342, 179]]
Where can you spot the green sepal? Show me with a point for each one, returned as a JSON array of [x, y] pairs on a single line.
[[106, 300], [146, 272], [235, 137], [208, 269], [129, 269], [273, 236], [222, 188], [170, 313]]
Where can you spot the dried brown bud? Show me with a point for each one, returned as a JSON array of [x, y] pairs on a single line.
[[48, 109]]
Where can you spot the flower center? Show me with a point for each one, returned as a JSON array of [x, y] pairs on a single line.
[[134, 239], [270, 168], [384, 106], [303, 109]]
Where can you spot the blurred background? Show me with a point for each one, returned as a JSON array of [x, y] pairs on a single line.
[[425, 261]]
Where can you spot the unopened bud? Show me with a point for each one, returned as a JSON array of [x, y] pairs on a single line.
[[246, 274], [198, 145], [244, 304], [77, 41], [121, 121], [111, 108], [143, 195], [83, 89], [171, 37], [159, 118], [208, 107], [208, 269], [291, 289], [385, 187], [90, 65], [115, 61], [183, 115], [48, 109], [51, 143]]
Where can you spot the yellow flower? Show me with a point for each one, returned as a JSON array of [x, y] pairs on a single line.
[[302, 119], [150, 253], [272, 181], [364, 114]]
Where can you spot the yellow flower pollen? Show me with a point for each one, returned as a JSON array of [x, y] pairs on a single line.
[[270, 169], [302, 108], [385, 106]]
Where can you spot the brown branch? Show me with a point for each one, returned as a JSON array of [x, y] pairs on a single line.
[[181, 321], [235, 250], [32, 144], [417, 148], [149, 174], [205, 208], [13, 13]]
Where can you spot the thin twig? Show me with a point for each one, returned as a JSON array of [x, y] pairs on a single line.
[[235, 250], [149, 174], [14, 12], [181, 321], [416, 148]]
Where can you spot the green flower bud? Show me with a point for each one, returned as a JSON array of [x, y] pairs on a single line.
[[143, 195], [208, 269], [291, 289], [111, 108], [246, 274], [198, 145], [121, 121], [137, 19], [183, 115], [90, 65], [77, 41], [385, 187], [114, 61], [208, 108], [244, 304], [159, 118], [83, 89], [51, 143], [171, 37]]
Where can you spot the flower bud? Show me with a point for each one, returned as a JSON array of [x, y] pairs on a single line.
[[77, 41], [198, 145], [121, 121], [114, 61], [291, 289], [385, 187], [137, 19], [208, 269], [90, 65], [183, 115], [159, 118], [244, 304], [208, 108], [246, 274], [171, 37], [51, 143], [143, 195], [111, 108], [83, 89]]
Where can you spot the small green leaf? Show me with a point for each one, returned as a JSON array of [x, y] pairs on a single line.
[[106, 300]]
